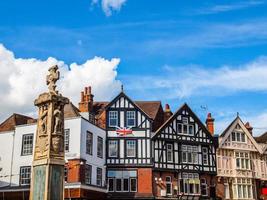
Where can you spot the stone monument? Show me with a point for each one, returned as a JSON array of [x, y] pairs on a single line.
[[47, 181]]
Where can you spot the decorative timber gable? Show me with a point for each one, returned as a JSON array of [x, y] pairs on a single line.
[[184, 143], [236, 136]]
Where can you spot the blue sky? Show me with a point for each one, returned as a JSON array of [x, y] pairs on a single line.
[[200, 52]]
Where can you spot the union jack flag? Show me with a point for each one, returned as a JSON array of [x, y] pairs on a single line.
[[122, 131]]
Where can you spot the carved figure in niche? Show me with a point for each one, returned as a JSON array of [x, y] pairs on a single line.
[[58, 119], [43, 121], [52, 78], [43, 143], [57, 138]]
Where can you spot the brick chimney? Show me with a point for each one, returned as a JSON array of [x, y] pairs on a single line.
[[210, 123], [87, 100], [247, 125], [167, 112]]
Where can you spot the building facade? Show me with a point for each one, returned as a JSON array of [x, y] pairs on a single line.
[[184, 157], [241, 163], [85, 169]]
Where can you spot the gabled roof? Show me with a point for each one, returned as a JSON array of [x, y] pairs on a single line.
[[150, 108], [187, 108], [262, 138], [15, 120], [232, 126], [71, 111]]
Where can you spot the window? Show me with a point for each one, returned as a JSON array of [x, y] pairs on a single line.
[[113, 148], [99, 147], [168, 185], [110, 184], [89, 143], [99, 176], [25, 175], [242, 161], [185, 127], [113, 118], [169, 152], [66, 174], [189, 183], [243, 188], [67, 139], [205, 155], [130, 148], [204, 187], [189, 154], [130, 118], [238, 137], [27, 144], [118, 185], [122, 181], [125, 184], [88, 174]]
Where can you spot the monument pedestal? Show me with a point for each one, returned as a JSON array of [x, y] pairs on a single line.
[[47, 181]]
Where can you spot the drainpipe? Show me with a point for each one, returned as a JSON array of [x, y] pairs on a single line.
[[12, 158]]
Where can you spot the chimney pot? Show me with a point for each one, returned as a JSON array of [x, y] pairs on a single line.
[[167, 107], [89, 90], [210, 123], [82, 96], [250, 128], [86, 90]]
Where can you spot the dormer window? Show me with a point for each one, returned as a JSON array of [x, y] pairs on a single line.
[[113, 118], [130, 117]]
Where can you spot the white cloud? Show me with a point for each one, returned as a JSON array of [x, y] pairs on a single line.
[[257, 121], [229, 7], [22, 80], [110, 5], [193, 80]]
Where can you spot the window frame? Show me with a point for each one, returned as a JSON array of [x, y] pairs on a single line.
[[109, 118], [134, 118], [98, 169], [205, 154], [88, 174], [126, 148], [100, 147], [67, 140], [169, 182], [27, 173], [23, 151], [117, 148], [89, 146], [169, 151]]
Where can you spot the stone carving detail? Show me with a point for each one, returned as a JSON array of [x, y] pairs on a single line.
[[52, 78], [58, 130], [50, 129]]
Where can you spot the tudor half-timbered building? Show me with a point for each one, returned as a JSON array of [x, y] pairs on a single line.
[[184, 157], [241, 163], [129, 151]]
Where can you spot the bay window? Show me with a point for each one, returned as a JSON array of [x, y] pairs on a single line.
[[122, 181], [189, 154], [189, 183]]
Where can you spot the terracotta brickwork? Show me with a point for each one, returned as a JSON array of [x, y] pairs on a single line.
[[75, 171], [145, 182], [159, 181]]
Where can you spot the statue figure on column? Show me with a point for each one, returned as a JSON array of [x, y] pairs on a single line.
[[52, 78]]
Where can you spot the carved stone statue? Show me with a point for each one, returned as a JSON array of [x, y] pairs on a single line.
[[48, 161], [52, 78]]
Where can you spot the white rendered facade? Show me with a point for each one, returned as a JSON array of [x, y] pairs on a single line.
[[11, 158]]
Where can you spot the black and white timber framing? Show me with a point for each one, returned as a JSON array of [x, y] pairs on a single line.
[[141, 134], [172, 134]]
